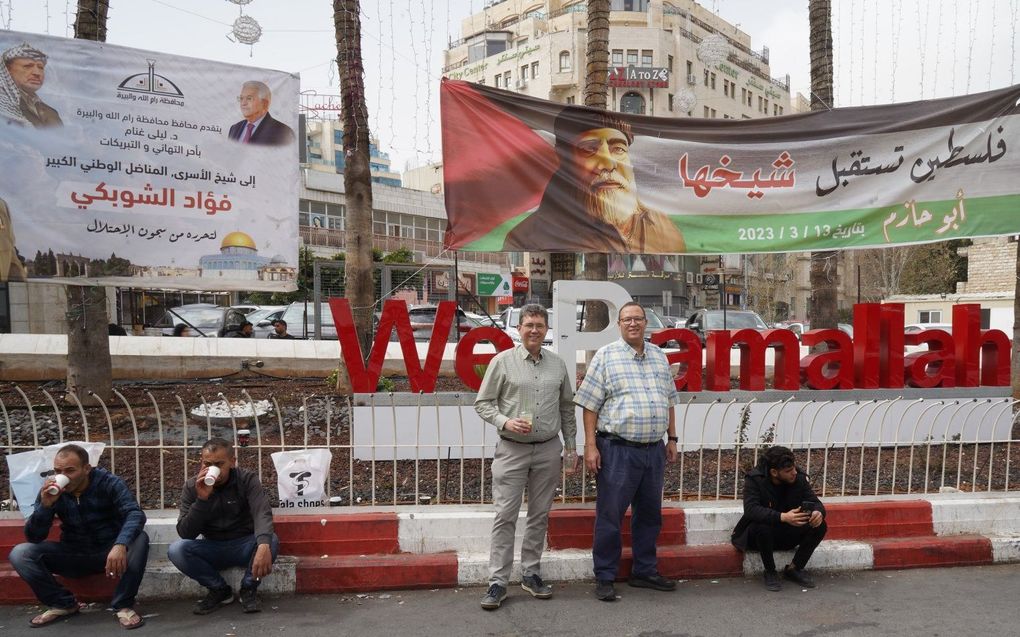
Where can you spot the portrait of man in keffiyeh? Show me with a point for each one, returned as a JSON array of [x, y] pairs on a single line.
[[22, 75]]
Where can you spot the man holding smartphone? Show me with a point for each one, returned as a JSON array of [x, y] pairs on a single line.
[[781, 511]]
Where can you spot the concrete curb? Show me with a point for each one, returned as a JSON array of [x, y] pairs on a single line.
[[447, 545]]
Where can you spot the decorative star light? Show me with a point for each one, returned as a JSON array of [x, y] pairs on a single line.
[[246, 30], [713, 49], [685, 100]]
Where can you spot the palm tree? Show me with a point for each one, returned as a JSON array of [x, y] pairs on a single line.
[[357, 174], [89, 367], [824, 270], [596, 85]]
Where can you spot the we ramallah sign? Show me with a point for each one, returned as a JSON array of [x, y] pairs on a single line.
[[873, 359]]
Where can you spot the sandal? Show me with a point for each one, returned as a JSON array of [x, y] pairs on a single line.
[[129, 619], [51, 615]]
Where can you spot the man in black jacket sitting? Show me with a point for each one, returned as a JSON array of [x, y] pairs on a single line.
[[781, 511]]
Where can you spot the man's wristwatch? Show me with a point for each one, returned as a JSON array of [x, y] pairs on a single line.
[[672, 439]]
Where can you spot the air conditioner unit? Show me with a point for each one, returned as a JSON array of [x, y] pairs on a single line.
[[692, 79], [690, 278], [419, 256], [521, 83], [697, 279]]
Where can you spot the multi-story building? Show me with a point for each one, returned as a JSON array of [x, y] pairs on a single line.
[[668, 58], [324, 145]]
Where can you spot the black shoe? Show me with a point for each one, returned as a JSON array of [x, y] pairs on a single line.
[[214, 598], [494, 597], [772, 581], [798, 576], [249, 599], [534, 585], [657, 582], [605, 591]]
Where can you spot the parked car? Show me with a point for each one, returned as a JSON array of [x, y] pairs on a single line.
[[703, 321], [486, 321], [654, 323], [262, 319], [914, 328], [423, 318], [203, 319], [300, 317], [799, 327]]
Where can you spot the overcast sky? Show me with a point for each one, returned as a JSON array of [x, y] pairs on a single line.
[[884, 50]]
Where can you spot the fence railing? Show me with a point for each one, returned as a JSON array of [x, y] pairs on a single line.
[[399, 449]]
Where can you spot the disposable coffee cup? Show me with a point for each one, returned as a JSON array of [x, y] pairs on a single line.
[[526, 416], [211, 474], [60, 481]]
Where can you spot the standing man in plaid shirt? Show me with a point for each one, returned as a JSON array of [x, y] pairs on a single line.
[[628, 395]]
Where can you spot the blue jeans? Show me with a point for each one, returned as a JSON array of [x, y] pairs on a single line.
[[630, 476], [38, 563], [202, 560]]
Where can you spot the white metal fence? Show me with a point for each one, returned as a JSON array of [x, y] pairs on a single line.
[[396, 449]]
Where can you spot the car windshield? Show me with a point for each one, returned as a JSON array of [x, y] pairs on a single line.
[[199, 316], [295, 313], [654, 322], [734, 321]]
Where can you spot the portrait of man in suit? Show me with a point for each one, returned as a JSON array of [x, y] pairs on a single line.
[[258, 126]]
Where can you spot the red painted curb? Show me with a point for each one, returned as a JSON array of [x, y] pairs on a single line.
[[376, 572], [93, 588], [574, 528], [923, 552], [342, 534], [874, 520]]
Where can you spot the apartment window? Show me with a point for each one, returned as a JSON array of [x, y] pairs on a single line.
[[632, 57], [617, 57], [929, 316], [713, 113], [750, 96], [570, 99], [669, 64], [522, 42], [759, 103], [726, 88], [564, 61], [646, 57], [690, 67], [507, 79], [743, 95], [766, 107], [670, 102], [713, 81], [706, 77], [534, 70], [524, 73], [706, 111]]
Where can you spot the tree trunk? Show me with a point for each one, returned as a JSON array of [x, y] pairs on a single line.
[[596, 87], [90, 22], [89, 368], [357, 174], [1015, 360], [824, 272]]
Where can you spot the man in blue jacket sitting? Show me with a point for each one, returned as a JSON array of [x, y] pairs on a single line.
[[781, 511], [100, 532]]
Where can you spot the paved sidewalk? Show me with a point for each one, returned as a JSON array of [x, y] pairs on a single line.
[[970, 600]]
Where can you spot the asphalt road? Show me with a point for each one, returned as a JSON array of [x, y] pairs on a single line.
[[975, 600]]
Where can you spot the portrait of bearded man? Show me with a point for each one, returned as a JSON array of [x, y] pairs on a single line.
[[591, 203]]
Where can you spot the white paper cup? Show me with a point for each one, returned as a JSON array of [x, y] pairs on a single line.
[[211, 474], [61, 482]]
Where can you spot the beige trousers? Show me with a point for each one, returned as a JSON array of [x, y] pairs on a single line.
[[517, 466]]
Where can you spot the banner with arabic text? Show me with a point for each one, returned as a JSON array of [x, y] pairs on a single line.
[[144, 169], [527, 174]]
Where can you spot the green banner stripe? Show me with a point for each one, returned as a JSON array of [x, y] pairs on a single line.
[[919, 222]]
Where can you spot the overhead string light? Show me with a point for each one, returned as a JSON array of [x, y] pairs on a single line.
[[417, 78], [972, 29], [5, 13], [938, 55], [897, 22], [874, 54], [430, 33], [991, 42], [1014, 8], [245, 30], [922, 36]]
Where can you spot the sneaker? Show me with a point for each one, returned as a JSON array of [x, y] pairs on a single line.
[[494, 597], [798, 576], [605, 591], [249, 599], [534, 585], [214, 598], [772, 581], [657, 582]]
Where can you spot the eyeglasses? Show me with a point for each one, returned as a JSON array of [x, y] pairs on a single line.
[[246, 99], [633, 320]]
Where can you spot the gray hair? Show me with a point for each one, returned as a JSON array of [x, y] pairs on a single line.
[[261, 87], [533, 309]]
